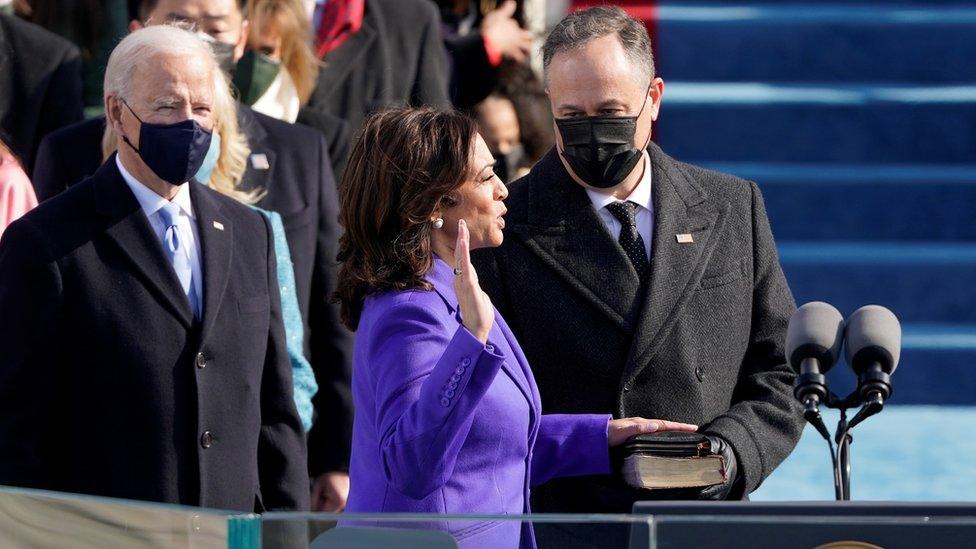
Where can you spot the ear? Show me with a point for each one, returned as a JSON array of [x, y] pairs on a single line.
[[135, 25], [113, 113], [656, 93], [242, 41]]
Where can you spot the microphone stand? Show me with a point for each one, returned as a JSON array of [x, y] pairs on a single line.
[[841, 459]]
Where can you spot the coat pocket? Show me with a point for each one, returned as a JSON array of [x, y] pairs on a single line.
[[734, 273], [253, 305]]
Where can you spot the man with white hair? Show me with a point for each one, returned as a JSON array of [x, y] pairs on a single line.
[[143, 348]]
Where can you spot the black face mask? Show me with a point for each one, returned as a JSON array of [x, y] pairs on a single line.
[[224, 53], [174, 152], [600, 149]]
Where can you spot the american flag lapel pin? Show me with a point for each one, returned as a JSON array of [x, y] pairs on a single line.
[[259, 161], [685, 238], [218, 225]]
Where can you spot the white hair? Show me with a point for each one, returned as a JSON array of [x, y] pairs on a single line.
[[145, 43]]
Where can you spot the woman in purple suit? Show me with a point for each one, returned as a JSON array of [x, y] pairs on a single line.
[[448, 417]]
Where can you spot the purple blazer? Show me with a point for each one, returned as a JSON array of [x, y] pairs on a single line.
[[445, 424]]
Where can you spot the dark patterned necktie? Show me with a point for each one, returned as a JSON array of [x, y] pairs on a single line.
[[630, 238]]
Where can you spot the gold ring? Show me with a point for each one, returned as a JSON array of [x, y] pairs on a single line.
[[457, 271]]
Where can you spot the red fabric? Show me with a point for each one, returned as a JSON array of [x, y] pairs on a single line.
[[340, 20], [494, 56]]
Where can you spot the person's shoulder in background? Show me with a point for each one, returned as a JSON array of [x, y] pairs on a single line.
[[68, 155]]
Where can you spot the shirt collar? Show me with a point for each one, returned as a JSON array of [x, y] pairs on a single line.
[[641, 195], [149, 201]]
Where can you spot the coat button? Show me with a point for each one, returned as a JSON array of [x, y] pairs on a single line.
[[456, 377], [699, 373], [449, 393], [627, 388], [459, 371], [445, 402], [465, 361], [207, 439], [201, 360], [452, 385]]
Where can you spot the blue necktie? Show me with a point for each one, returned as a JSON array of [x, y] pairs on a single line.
[[173, 244]]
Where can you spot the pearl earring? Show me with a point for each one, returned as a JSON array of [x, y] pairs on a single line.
[[438, 223]]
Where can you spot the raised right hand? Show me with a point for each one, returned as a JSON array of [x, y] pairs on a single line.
[[476, 309]]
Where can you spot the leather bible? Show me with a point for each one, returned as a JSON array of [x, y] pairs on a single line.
[[671, 459]]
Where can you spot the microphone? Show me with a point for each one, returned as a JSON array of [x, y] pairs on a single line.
[[873, 349], [813, 341]]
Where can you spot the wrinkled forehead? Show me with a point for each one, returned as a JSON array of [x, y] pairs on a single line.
[[165, 77]]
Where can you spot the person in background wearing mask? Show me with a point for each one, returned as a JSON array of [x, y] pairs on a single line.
[[16, 194], [515, 121], [277, 73], [142, 306], [652, 283], [498, 123], [290, 164]]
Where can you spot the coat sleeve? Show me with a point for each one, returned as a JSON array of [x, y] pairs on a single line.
[[30, 331], [428, 384], [764, 423], [430, 84], [281, 446], [569, 445], [330, 438]]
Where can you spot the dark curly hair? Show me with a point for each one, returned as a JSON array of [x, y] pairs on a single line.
[[407, 163]]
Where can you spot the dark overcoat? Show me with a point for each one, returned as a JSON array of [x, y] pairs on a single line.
[[109, 386], [291, 164], [702, 344]]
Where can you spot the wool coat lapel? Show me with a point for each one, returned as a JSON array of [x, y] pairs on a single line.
[[216, 248], [680, 208], [262, 158], [129, 228], [566, 233]]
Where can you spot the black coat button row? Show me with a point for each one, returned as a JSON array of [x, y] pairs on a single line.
[[449, 390]]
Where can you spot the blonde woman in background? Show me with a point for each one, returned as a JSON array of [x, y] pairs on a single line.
[[222, 171], [278, 72]]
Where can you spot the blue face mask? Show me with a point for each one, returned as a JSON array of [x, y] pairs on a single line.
[[209, 161], [174, 152]]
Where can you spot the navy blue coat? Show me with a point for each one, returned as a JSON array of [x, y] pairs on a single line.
[[291, 163], [108, 385]]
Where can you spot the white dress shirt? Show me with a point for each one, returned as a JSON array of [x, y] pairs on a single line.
[[644, 213], [151, 203]]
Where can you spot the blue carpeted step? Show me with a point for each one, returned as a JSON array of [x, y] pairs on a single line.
[[812, 42], [937, 366], [920, 282], [865, 202], [754, 122]]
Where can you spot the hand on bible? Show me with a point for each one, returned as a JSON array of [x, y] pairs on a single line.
[[622, 429]]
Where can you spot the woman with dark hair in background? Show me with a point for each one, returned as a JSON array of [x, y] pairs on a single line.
[[448, 417]]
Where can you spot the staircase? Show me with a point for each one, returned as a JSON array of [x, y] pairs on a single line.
[[858, 122]]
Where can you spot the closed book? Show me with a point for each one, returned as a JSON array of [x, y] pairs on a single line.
[[671, 460]]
